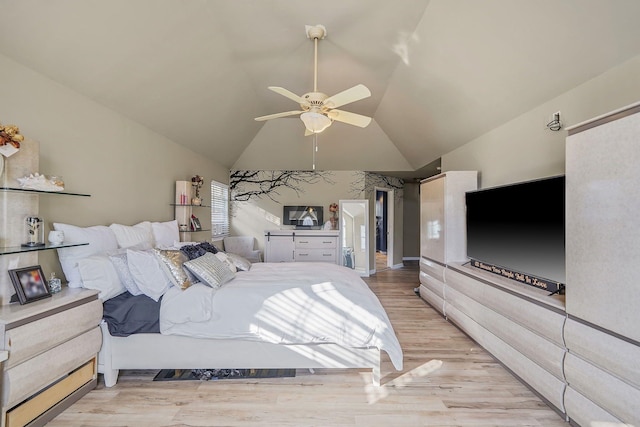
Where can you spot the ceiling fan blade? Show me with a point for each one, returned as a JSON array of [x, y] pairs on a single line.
[[287, 93], [349, 118], [356, 93], [277, 115]]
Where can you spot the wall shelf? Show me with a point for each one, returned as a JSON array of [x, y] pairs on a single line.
[[28, 190], [8, 250], [190, 206]]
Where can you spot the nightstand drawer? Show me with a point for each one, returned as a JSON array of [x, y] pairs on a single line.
[[33, 338], [27, 412], [31, 376], [316, 242]]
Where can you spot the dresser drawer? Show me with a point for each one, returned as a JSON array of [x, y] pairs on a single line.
[[31, 376], [316, 255], [316, 242], [38, 336]]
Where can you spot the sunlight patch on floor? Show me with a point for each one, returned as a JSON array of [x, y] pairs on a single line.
[[375, 394]]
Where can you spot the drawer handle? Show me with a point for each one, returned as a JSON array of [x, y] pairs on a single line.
[[327, 242], [303, 254], [327, 254], [304, 241]]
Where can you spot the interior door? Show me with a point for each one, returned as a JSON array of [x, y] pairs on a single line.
[[354, 235]]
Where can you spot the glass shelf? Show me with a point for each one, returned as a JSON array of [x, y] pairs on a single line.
[[28, 190], [190, 206], [20, 249]]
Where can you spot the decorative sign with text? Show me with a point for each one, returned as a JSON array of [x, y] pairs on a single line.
[[527, 279]]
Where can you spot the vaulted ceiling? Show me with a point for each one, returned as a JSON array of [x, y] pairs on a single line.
[[441, 72]]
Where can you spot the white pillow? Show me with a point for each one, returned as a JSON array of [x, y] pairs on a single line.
[[165, 233], [194, 304], [147, 273], [100, 238], [98, 273], [210, 270], [139, 235]]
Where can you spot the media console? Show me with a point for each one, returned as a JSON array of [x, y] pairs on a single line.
[[579, 351], [519, 325]]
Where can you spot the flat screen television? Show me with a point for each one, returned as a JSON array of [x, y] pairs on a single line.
[[519, 228], [302, 216]]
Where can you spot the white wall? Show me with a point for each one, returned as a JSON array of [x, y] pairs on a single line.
[[524, 149], [128, 170]]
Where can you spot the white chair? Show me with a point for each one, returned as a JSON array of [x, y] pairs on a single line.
[[243, 246]]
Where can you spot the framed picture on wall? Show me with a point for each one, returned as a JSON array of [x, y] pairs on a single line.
[[29, 283]]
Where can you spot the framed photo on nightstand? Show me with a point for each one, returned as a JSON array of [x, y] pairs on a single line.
[[29, 283]]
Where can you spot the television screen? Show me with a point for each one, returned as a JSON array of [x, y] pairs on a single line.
[[303, 216], [519, 227]]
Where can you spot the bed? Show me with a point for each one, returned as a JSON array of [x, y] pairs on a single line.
[[212, 310], [276, 315]]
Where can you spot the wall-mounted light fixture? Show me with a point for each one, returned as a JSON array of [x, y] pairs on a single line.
[[555, 124]]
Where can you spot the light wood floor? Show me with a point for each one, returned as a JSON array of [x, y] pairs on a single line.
[[448, 380]]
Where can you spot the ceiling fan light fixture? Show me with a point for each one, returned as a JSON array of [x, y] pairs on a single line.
[[315, 122]]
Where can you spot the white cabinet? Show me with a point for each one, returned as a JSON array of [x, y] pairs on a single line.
[[279, 248], [442, 215], [602, 253], [301, 246], [443, 234]]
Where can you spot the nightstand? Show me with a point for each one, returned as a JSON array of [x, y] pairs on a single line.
[[52, 348]]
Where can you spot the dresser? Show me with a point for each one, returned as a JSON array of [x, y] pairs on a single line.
[[302, 246]]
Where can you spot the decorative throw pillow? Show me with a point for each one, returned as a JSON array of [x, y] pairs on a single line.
[[98, 273], [165, 233], [171, 262], [210, 270], [139, 235], [119, 261], [224, 258], [241, 263], [101, 239], [147, 273], [196, 251]]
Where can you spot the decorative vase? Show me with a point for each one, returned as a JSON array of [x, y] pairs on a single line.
[[34, 232]]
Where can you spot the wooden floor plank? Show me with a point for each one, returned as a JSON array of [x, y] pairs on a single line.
[[448, 380]]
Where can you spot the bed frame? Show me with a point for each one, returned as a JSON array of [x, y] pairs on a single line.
[[157, 351]]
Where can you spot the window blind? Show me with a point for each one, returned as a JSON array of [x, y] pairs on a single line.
[[219, 210]]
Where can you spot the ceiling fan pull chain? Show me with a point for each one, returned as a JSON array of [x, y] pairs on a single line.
[[315, 149]]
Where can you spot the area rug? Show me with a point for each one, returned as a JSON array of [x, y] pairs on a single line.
[[220, 374]]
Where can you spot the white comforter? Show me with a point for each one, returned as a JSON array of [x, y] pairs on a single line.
[[284, 303]]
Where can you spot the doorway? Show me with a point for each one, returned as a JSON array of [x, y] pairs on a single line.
[[383, 228]]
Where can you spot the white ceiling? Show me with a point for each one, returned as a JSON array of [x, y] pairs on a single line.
[[441, 72]]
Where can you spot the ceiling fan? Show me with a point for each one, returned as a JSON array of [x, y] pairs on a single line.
[[318, 110]]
